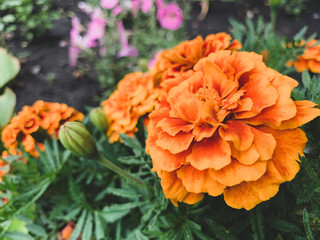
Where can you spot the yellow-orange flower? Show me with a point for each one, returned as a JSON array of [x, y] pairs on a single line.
[[229, 127], [45, 115], [173, 62], [67, 231], [134, 97], [309, 60]]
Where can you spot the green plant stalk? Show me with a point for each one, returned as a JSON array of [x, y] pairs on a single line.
[[108, 164], [273, 16]]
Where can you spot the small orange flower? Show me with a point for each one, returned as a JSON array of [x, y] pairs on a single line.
[[48, 116], [67, 231], [227, 127], [309, 60], [173, 62], [134, 97]]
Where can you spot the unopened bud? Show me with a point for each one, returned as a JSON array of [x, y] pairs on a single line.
[[75, 137], [275, 3], [99, 119]]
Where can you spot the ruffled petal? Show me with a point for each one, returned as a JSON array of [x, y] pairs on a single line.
[[197, 181], [210, 153], [174, 144], [236, 173]]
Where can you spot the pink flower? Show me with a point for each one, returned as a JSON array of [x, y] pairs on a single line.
[[146, 5], [117, 10], [108, 4], [76, 41], [96, 28], [169, 15], [126, 49]]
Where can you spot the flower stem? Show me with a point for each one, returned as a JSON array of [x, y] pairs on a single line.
[[108, 164]]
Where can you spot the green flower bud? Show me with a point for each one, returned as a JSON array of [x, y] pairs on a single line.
[[75, 137], [99, 119]]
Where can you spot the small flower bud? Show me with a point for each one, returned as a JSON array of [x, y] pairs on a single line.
[[99, 119], [75, 137], [275, 3]]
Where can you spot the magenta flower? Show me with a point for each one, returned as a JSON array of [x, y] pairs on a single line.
[[126, 49], [117, 10], [144, 5], [96, 28], [76, 41], [169, 15], [108, 4]]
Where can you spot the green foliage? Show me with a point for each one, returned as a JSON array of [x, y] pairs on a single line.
[[29, 18], [295, 7], [261, 39], [9, 68]]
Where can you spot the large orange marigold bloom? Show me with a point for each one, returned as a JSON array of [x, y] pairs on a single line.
[[309, 60], [134, 97], [46, 115], [172, 62], [229, 127]]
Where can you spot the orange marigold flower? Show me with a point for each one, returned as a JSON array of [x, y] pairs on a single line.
[[172, 62], [134, 97], [309, 60], [45, 115], [231, 128]]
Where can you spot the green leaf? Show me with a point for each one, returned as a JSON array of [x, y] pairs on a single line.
[[99, 229], [37, 230], [115, 212], [282, 225], [306, 79], [8, 18], [7, 104], [87, 230], [300, 34], [306, 223], [9, 67], [17, 236], [79, 225]]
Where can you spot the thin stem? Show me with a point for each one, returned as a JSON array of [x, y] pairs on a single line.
[[108, 164]]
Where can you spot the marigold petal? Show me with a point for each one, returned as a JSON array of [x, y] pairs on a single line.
[[314, 66], [238, 133], [210, 153], [236, 172], [165, 160], [248, 194], [174, 144], [217, 80], [247, 157], [264, 143], [290, 143], [260, 90], [197, 181], [301, 65], [305, 113], [282, 110], [175, 191], [174, 125]]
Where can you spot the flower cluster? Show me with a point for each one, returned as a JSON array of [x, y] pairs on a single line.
[[137, 92], [134, 97], [309, 60], [221, 122], [33, 119]]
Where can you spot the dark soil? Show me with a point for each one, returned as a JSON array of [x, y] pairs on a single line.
[[45, 73]]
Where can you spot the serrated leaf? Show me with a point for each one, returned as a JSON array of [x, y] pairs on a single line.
[[99, 229], [37, 230], [306, 79], [115, 212], [306, 223], [282, 225], [132, 142], [79, 225], [7, 105], [300, 34], [87, 230], [17, 236]]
